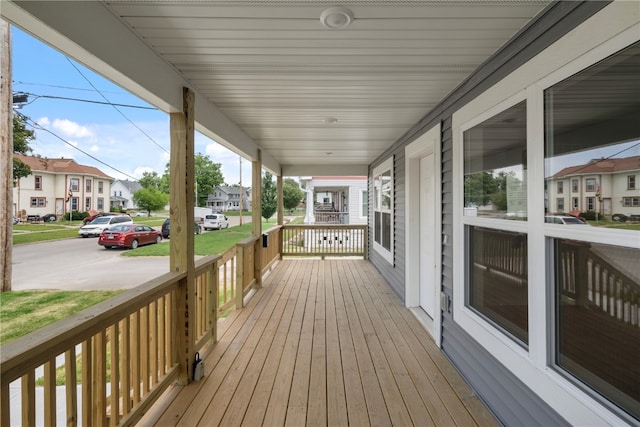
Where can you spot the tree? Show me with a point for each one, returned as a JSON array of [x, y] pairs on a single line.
[[269, 196], [208, 175], [21, 138], [150, 180], [150, 199], [291, 193], [478, 188]]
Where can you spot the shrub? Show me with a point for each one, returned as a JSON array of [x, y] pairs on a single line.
[[591, 215]]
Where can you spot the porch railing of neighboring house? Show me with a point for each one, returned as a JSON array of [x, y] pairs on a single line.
[[114, 359], [324, 240], [324, 217]]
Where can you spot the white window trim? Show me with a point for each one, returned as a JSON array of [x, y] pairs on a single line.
[[386, 254], [362, 197], [589, 43]]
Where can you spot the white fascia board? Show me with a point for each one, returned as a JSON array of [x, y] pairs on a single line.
[[88, 32], [325, 170]]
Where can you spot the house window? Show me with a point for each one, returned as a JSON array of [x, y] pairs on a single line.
[[37, 182], [560, 186], [75, 202], [631, 182], [595, 280], [364, 203], [495, 184], [74, 184], [88, 186], [575, 186], [497, 278], [630, 201], [383, 210], [100, 203], [100, 186], [560, 204], [575, 204], [38, 202], [87, 203]]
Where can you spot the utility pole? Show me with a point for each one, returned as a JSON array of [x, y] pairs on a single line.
[[6, 156]]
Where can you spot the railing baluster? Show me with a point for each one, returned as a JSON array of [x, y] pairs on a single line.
[[71, 388], [87, 380], [28, 389], [114, 346], [125, 363]]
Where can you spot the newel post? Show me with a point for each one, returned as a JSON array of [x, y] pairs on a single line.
[[181, 168], [256, 217]]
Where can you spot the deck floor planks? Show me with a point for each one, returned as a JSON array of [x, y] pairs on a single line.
[[324, 343]]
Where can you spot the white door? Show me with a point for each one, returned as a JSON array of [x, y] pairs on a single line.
[[427, 236]]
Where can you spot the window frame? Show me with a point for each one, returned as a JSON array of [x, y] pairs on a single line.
[[575, 185], [560, 187], [364, 203], [387, 165], [533, 365], [74, 184], [590, 185], [37, 182], [631, 182], [38, 202], [87, 185], [100, 187]]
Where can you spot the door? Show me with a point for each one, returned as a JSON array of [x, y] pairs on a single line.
[[427, 235]]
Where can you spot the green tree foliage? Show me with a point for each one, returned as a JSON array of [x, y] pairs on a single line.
[[208, 175], [21, 138], [151, 180], [269, 196], [291, 193], [150, 199], [478, 188]]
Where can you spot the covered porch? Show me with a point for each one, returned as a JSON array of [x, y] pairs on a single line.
[[323, 343]]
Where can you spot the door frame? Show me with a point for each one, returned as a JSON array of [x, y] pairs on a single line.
[[428, 143]]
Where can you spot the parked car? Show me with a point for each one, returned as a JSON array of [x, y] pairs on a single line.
[[98, 225], [90, 218], [563, 219], [49, 217], [166, 227], [215, 222], [129, 236]]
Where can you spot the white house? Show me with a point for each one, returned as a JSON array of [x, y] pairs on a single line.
[[338, 199], [228, 198], [122, 194], [606, 186], [59, 186]]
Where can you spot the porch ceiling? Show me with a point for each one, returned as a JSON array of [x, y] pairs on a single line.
[[268, 75]]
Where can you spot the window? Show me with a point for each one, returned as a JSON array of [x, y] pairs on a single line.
[[575, 204], [100, 185], [560, 204], [100, 203], [497, 278], [88, 186], [87, 203], [595, 281], [560, 187], [495, 178], [37, 182], [383, 209], [364, 203], [575, 186], [631, 182], [74, 184], [630, 201], [75, 201], [120, 193], [38, 202]]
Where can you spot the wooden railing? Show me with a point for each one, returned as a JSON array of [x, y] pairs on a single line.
[[324, 240], [125, 348], [324, 217], [591, 281]]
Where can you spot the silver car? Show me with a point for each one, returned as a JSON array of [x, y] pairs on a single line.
[[98, 225]]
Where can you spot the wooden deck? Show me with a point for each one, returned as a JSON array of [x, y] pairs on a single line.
[[323, 343]]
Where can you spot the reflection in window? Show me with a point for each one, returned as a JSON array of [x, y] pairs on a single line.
[[592, 135], [597, 318], [497, 278], [495, 179]]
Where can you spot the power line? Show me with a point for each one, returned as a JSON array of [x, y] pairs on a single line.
[[37, 126], [116, 108], [61, 87], [142, 107]]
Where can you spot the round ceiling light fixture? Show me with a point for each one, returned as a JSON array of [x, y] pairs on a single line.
[[336, 18]]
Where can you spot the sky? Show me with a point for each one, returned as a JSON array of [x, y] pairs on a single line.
[[122, 142]]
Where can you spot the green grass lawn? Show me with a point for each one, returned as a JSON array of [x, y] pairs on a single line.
[[22, 312]]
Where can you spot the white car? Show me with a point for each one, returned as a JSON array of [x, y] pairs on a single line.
[[563, 219], [98, 225], [215, 222]]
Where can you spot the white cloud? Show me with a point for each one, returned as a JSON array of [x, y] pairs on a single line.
[[137, 172], [44, 122], [94, 148], [70, 128]]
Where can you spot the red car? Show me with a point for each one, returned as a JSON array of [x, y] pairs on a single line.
[[129, 236]]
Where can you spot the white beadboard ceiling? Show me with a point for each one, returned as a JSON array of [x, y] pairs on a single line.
[[269, 75]]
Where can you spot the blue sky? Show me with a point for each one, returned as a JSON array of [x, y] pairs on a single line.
[[98, 129]]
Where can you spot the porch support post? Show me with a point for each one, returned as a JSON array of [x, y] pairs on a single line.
[[181, 259], [6, 159], [280, 199], [256, 216]]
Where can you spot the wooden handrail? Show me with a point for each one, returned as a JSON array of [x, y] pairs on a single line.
[[324, 240]]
